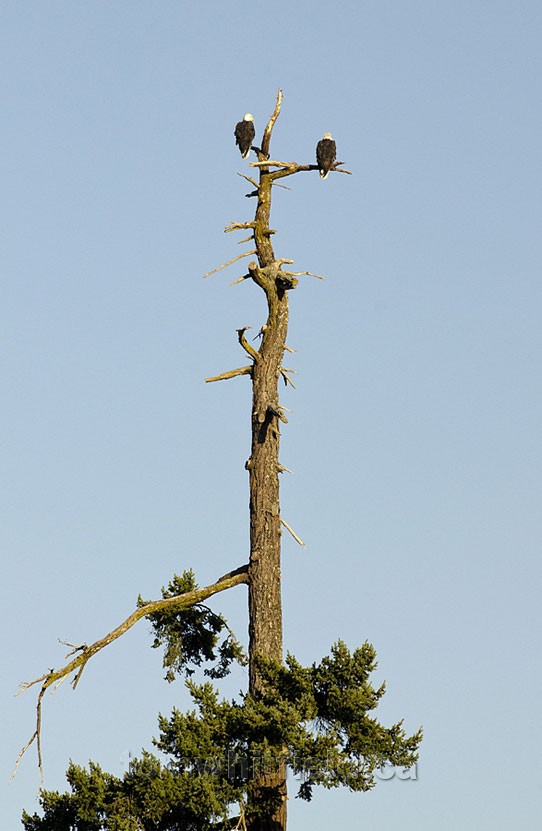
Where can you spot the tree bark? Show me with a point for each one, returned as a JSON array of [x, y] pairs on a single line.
[[264, 577]]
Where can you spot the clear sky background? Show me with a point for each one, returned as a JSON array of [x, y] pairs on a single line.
[[415, 439]]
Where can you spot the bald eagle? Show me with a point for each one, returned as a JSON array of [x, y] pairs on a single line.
[[326, 153], [244, 134]]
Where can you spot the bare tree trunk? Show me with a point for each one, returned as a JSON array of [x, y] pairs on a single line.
[[265, 609], [264, 578], [265, 604]]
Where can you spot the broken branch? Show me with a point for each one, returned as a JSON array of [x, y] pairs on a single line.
[[252, 181], [234, 260], [225, 376], [238, 226], [291, 530], [239, 280], [270, 124], [286, 379], [310, 274]]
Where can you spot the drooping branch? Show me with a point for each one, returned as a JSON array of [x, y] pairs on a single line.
[[298, 540], [254, 354], [84, 653], [287, 380]]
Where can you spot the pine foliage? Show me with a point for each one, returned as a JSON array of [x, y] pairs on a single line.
[[321, 716]]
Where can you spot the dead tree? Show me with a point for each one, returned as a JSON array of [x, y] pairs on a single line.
[[266, 370], [263, 572]]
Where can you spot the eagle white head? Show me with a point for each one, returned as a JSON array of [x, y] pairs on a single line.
[[326, 135], [248, 117]]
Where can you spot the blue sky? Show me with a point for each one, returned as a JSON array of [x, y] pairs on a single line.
[[415, 436]]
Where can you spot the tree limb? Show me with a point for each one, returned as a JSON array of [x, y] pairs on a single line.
[[239, 280], [287, 379], [289, 168], [310, 274], [234, 260], [254, 354], [291, 530], [270, 124], [85, 653], [297, 168], [252, 181], [238, 226], [225, 376]]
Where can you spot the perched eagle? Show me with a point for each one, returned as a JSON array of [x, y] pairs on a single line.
[[326, 153], [244, 134]]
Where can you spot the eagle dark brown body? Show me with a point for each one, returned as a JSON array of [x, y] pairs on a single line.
[[326, 153], [244, 134]]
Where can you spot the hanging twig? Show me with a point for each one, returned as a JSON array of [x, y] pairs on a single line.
[[291, 530]]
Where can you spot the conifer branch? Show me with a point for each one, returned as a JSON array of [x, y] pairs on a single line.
[[85, 653]]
